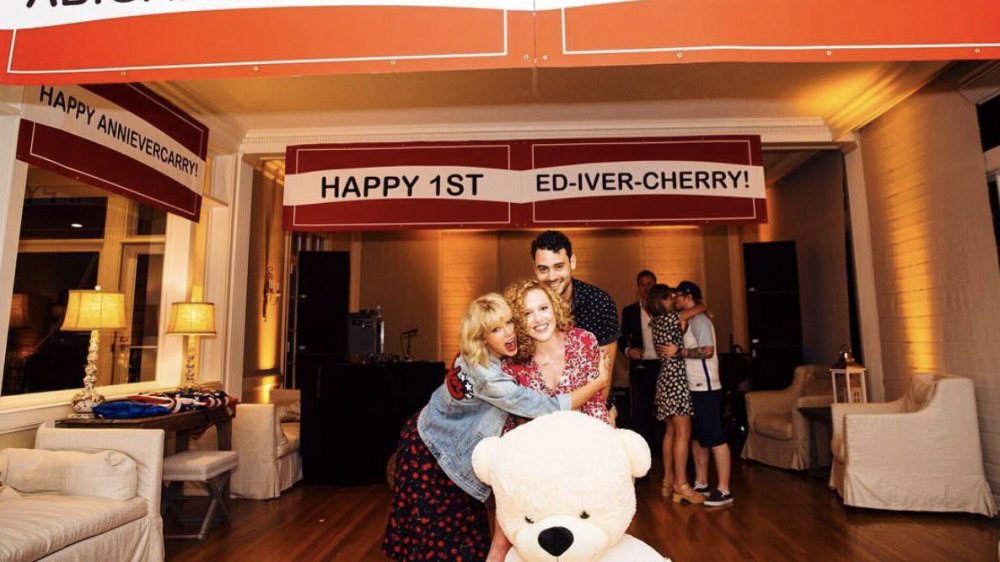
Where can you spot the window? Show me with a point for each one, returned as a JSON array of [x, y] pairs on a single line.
[[75, 237]]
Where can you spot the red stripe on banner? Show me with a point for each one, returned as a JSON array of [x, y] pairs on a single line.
[[103, 167], [309, 158], [398, 214], [729, 149], [157, 111], [635, 210]]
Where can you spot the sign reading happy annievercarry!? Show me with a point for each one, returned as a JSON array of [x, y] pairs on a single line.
[[525, 183], [120, 137]]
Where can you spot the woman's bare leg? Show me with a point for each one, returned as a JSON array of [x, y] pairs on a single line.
[[682, 437], [668, 465]]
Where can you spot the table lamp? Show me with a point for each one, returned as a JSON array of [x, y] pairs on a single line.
[[19, 310], [92, 311], [191, 319]]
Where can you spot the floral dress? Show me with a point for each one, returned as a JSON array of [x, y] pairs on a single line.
[[672, 395], [583, 358]]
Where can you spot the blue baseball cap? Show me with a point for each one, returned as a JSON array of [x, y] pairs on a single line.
[[688, 288]]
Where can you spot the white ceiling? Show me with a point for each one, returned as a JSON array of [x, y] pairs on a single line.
[[838, 94], [827, 100]]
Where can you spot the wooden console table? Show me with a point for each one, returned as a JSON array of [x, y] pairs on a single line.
[[181, 425]]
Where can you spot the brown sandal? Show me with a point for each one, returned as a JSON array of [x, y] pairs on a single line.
[[686, 493]]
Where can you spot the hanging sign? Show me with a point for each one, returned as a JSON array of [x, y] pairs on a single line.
[[119, 137], [525, 184], [95, 41]]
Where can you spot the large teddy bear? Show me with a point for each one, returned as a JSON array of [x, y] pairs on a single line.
[[564, 489]]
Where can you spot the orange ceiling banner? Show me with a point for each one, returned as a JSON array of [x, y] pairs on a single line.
[[686, 31], [90, 41]]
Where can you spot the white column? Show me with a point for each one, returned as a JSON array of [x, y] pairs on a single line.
[[236, 302], [13, 175], [864, 269], [217, 284]]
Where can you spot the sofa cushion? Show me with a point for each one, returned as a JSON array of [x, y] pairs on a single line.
[[775, 426], [40, 524], [290, 444], [105, 474]]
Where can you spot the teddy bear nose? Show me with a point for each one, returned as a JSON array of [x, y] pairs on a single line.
[[555, 540]]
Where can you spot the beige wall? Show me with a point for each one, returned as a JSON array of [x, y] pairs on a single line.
[[474, 263], [808, 207], [262, 360], [934, 255], [400, 273]]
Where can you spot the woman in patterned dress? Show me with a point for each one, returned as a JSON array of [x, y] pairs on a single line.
[[437, 510], [673, 400], [553, 356]]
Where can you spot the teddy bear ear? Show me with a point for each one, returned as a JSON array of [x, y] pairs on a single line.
[[482, 459], [637, 451]]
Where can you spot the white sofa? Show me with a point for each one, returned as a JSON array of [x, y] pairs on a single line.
[[270, 461], [777, 432], [60, 523], [921, 452]]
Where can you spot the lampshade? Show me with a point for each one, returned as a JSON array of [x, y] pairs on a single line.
[[192, 319], [94, 310], [18, 310]]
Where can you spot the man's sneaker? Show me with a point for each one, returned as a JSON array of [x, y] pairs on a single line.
[[718, 497], [702, 489]]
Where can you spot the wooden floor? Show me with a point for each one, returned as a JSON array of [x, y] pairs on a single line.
[[778, 515]]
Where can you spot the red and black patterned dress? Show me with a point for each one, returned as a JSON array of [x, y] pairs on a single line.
[[583, 358], [431, 518]]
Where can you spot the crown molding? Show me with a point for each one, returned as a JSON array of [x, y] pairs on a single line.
[[981, 83], [225, 133], [772, 131], [895, 83]]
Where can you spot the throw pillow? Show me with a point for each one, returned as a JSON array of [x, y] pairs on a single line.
[[106, 474], [288, 411], [6, 492]]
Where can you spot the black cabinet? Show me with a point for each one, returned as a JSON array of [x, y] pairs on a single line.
[[352, 415]]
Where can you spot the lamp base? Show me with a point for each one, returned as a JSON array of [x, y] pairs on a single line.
[[85, 400], [189, 387]]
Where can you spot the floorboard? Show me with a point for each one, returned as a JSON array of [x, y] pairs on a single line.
[[778, 515]]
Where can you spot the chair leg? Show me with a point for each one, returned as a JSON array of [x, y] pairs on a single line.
[[215, 488]]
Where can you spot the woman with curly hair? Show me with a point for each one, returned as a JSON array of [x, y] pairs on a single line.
[[553, 357]]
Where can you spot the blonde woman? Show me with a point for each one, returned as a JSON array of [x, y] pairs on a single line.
[[553, 356], [435, 492]]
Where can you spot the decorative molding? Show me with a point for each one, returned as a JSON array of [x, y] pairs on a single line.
[[895, 83], [225, 133], [981, 83], [772, 131]]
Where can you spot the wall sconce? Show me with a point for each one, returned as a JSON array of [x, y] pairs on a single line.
[[272, 291]]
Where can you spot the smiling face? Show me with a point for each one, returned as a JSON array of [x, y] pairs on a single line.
[[500, 339], [539, 315], [555, 269]]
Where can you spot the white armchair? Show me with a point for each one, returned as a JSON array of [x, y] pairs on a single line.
[[919, 453], [777, 433], [268, 446]]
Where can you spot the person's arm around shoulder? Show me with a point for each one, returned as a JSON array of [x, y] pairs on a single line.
[[701, 328]]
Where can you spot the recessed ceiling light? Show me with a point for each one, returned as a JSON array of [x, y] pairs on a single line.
[[76, 225]]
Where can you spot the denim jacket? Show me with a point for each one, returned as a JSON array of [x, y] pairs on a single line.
[[471, 405]]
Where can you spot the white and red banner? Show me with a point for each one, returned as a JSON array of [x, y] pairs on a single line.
[[120, 137], [525, 183], [102, 41]]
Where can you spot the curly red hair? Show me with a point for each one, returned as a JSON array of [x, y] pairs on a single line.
[[515, 293]]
